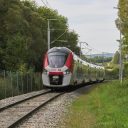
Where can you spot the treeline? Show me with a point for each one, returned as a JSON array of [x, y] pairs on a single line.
[[122, 25], [23, 34], [100, 59]]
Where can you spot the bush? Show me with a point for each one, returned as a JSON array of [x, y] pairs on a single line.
[[112, 73]]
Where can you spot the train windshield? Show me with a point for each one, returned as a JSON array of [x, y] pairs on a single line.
[[57, 59]]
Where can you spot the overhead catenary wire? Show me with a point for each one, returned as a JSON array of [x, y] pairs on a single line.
[[94, 50], [44, 3], [48, 3]]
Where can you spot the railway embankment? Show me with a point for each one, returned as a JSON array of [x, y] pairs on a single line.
[[15, 109], [13, 100], [104, 106], [99, 105]]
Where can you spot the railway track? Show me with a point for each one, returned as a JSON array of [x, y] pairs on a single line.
[[13, 114], [22, 100]]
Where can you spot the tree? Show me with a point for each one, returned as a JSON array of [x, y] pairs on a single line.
[[23, 34], [116, 57], [122, 23]]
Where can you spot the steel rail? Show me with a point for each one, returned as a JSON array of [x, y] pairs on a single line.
[[23, 100], [34, 110]]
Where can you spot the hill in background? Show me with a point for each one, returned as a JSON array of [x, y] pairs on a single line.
[[106, 55]]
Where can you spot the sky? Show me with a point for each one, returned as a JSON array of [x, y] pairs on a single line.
[[93, 20]]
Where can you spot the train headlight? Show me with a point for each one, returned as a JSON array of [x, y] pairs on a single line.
[[66, 72], [45, 71]]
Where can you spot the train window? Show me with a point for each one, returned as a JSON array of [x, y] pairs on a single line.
[[57, 59]]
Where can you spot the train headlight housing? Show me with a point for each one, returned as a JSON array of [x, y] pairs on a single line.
[[45, 71], [66, 72]]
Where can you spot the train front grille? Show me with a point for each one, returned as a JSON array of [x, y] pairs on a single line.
[[56, 79]]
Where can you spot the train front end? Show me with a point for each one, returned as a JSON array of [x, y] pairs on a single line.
[[57, 67]]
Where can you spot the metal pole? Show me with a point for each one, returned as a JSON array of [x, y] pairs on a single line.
[[11, 82], [5, 91], [120, 50], [121, 65], [81, 48], [120, 58], [17, 83], [22, 84], [30, 82], [27, 82], [48, 34]]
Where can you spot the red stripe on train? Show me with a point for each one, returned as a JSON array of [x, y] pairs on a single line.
[[70, 62], [45, 60], [55, 73]]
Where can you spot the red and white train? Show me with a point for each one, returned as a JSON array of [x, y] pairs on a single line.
[[63, 68]]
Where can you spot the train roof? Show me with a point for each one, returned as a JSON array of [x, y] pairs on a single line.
[[67, 51], [87, 63], [60, 49]]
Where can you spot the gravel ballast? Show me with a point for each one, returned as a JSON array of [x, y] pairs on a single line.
[[53, 114], [50, 116]]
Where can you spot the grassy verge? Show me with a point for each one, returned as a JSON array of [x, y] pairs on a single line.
[[105, 106]]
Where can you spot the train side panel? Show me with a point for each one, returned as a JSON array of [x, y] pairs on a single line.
[[73, 71]]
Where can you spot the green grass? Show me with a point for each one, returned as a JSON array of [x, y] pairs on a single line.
[[104, 106]]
